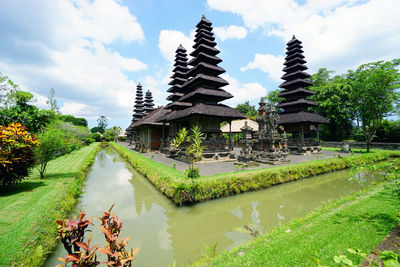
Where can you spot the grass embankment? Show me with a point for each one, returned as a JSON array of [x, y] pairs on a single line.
[[360, 221], [29, 211], [188, 191]]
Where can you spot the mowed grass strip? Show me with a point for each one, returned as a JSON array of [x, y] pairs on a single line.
[[28, 211], [360, 222]]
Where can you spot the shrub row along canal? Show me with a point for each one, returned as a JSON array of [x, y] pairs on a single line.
[[165, 232]]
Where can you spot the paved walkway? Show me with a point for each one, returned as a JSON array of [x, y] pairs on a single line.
[[210, 168]]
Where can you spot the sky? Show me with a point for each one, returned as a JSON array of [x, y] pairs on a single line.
[[94, 52]]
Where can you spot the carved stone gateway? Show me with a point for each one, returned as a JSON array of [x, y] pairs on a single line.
[[270, 145]]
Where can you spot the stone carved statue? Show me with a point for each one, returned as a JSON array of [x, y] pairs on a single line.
[[271, 144]]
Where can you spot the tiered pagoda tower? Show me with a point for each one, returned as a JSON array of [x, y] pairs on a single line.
[[139, 104], [138, 112], [148, 103], [203, 87], [296, 117], [178, 79]]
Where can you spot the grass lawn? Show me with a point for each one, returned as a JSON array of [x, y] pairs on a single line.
[[360, 222], [28, 212]]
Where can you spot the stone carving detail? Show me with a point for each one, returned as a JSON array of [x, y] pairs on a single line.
[[269, 145], [245, 154]]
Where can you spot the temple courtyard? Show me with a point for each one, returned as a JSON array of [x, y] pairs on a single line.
[[217, 167]]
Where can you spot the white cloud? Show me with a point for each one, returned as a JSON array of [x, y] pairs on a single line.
[[231, 32], [270, 64], [75, 109], [169, 40], [80, 66], [102, 20], [242, 92], [158, 86], [338, 34]]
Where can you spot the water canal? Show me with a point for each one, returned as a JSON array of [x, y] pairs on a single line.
[[166, 233]]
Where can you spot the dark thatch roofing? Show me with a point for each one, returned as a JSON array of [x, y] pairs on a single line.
[[298, 91], [205, 78], [204, 20], [219, 111], [293, 41], [299, 74], [151, 118], [297, 102], [202, 66], [203, 57], [300, 82], [294, 61], [218, 94], [302, 116], [295, 67]]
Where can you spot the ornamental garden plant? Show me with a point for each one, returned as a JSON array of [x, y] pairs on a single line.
[[16, 154]]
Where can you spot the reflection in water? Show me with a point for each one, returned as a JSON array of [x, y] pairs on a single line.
[[166, 233]]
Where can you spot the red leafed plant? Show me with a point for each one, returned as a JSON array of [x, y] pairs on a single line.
[[71, 233], [16, 153], [116, 252]]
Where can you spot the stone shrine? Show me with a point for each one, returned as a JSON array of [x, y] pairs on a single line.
[[270, 144]]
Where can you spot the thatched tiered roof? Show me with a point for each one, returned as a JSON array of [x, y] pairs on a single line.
[[148, 103], [139, 110], [151, 118], [203, 90], [295, 93], [178, 79], [139, 104]]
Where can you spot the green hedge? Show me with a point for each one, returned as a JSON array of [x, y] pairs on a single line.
[[183, 191]]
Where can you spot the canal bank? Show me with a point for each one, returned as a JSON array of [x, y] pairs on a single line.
[[167, 233]]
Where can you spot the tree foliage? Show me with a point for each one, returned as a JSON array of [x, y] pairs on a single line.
[[333, 97], [7, 91], [75, 121], [50, 146], [111, 134], [194, 149], [102, 124], [52, 102], [60, 138], [247, 110], [374, 94], [16, 153], [273, 97], [19, 109]]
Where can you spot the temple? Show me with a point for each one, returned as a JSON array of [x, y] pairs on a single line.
[[200, 94], [178, 77], [296, 118], [138, 112]]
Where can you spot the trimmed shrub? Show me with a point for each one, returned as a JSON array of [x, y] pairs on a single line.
[[96, 137], [16, 154], [189, 191]]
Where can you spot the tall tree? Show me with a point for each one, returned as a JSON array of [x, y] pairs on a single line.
[[375, 94], [332, 94], [102, 123], [52, 102], [8, 90]]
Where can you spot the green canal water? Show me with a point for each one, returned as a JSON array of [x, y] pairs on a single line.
[[166, 233]]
